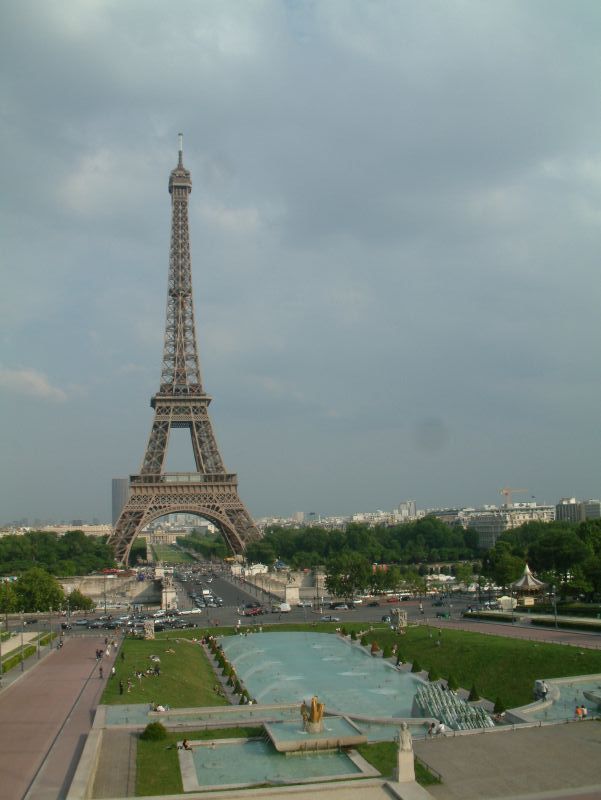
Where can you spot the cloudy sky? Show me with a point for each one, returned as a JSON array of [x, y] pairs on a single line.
[[396, 237]]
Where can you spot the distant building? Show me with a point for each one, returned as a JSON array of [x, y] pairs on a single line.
[[571, 510], [491, 523], [407, 510], [591, 509], [568, 510], [120, 496], [298, 516]]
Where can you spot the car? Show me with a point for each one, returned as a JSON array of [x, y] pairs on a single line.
[[373, 604], [95, 624], [305, 604], [340, 607], [438, 603], [392, 599], [329, 618], [83, 622], [386, 618], [65, 626]]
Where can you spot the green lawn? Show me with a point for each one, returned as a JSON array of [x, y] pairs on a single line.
[[170, 554], [383, 756], [157, 764], [186, 678], [498, 666]]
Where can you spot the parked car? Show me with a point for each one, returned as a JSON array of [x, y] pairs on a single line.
[[330, 618], [82, 622], [386, 618], [65, 626], [339, 607], [305, 604]]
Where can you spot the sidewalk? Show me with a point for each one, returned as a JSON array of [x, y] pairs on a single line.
[[559, 758], [46, 712]]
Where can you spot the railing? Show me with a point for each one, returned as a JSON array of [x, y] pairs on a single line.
[[183, 477]]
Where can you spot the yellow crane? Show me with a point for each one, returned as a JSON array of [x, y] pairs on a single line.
[[507, 493]]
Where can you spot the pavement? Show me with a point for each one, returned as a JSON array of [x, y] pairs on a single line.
[[561, 760], [47, 710], [45, 715]]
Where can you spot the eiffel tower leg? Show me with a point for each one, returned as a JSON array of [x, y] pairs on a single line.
[[126, 530]]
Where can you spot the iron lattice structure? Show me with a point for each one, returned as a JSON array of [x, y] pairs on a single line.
[[181, 402]]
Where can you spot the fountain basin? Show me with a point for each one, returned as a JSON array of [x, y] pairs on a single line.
[[337, 732]]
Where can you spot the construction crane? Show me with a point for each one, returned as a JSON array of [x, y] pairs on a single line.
[[507, 493]]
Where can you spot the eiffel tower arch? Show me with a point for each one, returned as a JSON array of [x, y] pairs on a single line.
[[181, 402]]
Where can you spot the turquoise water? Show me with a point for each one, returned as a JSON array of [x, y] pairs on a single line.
[[290, 667], [257, 762], [139, 715], [570, 696]]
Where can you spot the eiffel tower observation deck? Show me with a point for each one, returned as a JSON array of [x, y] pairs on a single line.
[[181, 402]]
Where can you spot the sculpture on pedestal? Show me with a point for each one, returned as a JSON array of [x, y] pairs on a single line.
[[405, 768], [313, 715]]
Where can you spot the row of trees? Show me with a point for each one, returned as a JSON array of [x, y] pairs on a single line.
[[71, 554], [37, 590], [425, 540], [207, 544], [562, 554]]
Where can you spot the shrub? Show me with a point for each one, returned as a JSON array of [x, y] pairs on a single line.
[[433, 675], [153, 732], [452, 683], [499, 706], [343, 630], [416, 666], [354, 635], [387, 651], [474, 695], [364, 641]]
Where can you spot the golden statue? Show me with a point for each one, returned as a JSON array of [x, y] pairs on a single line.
[[317, 710], [313, 715]]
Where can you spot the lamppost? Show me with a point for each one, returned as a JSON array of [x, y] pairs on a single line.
[[22, 650], [554, 605]]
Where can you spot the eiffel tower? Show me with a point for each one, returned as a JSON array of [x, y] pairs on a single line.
[[181, 402]]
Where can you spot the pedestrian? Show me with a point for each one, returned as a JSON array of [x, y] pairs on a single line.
[[120, 687], [122, 655], [100, 672], [113, 672], [578, 712], [584, 712]]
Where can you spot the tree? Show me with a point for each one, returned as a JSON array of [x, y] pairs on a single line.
[[80, 602], [8, 598], [37, 590], [347, 574]]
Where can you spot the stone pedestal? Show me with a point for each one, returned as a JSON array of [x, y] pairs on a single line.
[[405, 769], [314, 727]]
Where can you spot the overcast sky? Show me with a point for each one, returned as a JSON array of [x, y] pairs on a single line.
[[396, 240]]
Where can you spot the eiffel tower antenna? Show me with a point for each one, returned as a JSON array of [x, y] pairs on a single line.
[[181, 402]]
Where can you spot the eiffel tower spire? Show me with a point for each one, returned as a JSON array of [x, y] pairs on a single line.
[[181, 402]]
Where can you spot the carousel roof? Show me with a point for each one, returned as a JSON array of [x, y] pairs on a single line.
[[527, 582]]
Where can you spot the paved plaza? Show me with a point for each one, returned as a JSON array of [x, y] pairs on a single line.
[[46, 714]]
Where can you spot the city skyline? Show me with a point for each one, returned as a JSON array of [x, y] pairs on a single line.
[[395, 229]]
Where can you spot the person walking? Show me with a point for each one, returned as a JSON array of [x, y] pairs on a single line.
[[100, 672], [121, 687]]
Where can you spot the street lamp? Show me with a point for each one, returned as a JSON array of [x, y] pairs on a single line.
[[22, 650], [554, 605]]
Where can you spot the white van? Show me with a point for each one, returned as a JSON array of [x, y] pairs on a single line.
[[282, 608]]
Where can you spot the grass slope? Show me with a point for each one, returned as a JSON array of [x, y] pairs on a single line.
[[498, 666], [186, 678]]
